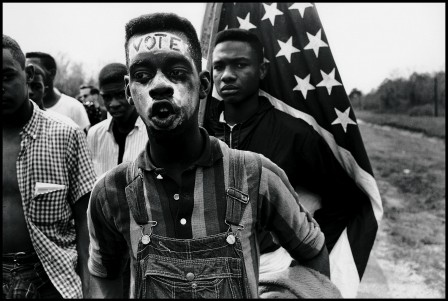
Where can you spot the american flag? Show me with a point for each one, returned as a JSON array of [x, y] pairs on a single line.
[[303, 80]]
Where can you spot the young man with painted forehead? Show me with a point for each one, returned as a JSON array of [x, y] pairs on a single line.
[[187, 209]]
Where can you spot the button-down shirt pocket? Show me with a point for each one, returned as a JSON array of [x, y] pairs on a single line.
[[50, 207]]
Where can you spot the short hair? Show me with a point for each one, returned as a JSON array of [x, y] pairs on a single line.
[[39, 71], [165, 21], [47, 60], [242, 35], [16, 51], [112, 73], [93, 89]]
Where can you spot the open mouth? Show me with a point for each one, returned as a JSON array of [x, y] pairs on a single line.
[[164, 114], [162, 109]]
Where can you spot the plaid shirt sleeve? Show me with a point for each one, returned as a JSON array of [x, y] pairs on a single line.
[[82, 176], [107, 244], [281, 212]]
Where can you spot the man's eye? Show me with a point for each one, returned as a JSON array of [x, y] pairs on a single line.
[[241, 65], [217, 67], [141, 75], [178, 73]]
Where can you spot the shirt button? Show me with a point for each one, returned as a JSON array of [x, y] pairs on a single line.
[[176, 196], [194, 285], [190, 276], [183, 221]]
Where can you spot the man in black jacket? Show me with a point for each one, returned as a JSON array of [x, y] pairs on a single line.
[[245, 120]]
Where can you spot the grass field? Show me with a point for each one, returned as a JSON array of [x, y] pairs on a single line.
[[430, 126], [414, 197]]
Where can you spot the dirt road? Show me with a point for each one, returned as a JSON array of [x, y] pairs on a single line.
[[408, 257]]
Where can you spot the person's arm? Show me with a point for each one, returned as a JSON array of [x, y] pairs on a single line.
[[108, 248], [320, 262], [103, 288], [282, 213], [82, 240]]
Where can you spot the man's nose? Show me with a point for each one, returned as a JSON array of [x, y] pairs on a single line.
[[161, 87], [114, 102], [228, 75]]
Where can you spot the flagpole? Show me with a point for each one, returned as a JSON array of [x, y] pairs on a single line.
[[211, 17]]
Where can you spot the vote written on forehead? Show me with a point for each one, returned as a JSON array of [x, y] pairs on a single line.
[[158, 40]]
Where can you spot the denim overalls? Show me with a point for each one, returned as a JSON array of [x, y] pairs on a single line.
[[207, 267]]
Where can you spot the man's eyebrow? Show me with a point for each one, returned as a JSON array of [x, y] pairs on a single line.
[[147, 62], [8, 69], [238, 58]]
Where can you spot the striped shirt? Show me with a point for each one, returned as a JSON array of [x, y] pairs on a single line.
[[104, 149], [200, 211], [53, 152]]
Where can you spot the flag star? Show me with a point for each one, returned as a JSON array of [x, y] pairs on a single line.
[[328, 80], [271, 12], [303, 85], [300, 7], [343, 119], [245, 23], [227, 27], [286, 49], [315, 42]]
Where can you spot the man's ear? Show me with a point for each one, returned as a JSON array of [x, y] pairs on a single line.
[[29, 70], [204, 77], [127, 90], [263, 70], [52, 73]]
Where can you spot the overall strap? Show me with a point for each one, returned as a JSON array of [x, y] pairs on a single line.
[[236, 198], [135, 194]]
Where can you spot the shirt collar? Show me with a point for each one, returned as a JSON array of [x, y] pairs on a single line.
[[31, 128], [139, 124], [210, 154]]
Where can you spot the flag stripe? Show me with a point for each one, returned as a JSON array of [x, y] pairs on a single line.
[[364, 180]]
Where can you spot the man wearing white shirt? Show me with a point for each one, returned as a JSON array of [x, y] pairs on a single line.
[[122, 137], [53, 99]]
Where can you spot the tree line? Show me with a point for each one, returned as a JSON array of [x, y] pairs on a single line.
[[422, 94]]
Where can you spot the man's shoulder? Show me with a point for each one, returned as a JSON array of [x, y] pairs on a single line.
[[70, 101], [57, 122], [115, 178], [286, 121], [99, 128], [60, 118]]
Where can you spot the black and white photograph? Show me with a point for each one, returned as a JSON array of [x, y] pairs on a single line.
[[224, 150]]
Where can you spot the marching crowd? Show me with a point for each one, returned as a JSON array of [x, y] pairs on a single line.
[[121, 192]]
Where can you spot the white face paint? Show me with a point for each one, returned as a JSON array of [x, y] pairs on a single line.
[[156, 41], [163, 80]]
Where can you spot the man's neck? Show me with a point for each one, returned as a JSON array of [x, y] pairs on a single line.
[[176, 152], [126, 125], [20, 118], [235, 113], [52, 97]]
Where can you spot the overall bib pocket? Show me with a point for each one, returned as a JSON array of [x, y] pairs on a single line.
[[166, 277]]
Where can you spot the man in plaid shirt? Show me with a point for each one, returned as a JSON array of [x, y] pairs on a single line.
[[47, 179]]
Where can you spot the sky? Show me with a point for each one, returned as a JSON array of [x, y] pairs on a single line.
[[369, 41]]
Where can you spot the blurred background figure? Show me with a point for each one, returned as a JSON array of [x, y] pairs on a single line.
[[54, 100], [36, 87], [90, 97], [122, 137]]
